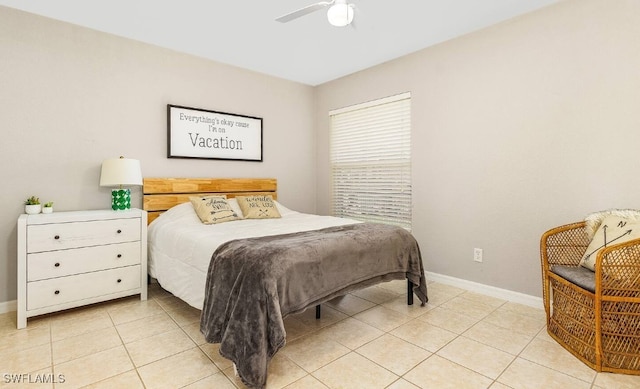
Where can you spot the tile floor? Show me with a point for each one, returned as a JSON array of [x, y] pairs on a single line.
[[368, 339]]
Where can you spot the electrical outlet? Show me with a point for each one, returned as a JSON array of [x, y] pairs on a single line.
[[477, 255]]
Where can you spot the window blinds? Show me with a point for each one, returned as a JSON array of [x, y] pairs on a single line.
[[370, 152]]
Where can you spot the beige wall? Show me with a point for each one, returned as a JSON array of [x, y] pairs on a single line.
[[518, 128], [71, 97]]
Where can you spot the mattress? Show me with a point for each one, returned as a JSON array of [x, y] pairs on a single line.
[[180, 247]]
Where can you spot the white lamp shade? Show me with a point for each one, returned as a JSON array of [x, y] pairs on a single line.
[[340, 14], [120, 171]]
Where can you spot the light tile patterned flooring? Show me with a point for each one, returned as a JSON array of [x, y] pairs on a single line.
[[368, 339]]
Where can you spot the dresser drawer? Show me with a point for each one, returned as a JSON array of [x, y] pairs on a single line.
[[81, 286], [48, 237], [53, 264]]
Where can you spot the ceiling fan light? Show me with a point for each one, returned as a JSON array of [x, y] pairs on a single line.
[[340, 14]]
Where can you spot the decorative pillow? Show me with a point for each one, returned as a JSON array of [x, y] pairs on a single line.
[[214, 209], [612, 230], [258, 207], [595, 219]]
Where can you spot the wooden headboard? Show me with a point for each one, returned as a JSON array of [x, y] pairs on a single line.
[[160, 194]]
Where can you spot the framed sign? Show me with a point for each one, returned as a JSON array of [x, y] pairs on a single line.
[[199, 133]]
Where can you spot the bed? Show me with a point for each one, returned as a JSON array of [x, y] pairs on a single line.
[[247, 275]]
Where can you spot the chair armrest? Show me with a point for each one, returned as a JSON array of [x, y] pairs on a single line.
[[618, 270], [564, 245]]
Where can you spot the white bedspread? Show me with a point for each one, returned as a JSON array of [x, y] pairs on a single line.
[[180, 246]]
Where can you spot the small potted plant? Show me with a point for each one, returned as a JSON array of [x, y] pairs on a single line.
[[47, 207], [32, 205]]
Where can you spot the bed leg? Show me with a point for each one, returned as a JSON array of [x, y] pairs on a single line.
[[409, 293], [318, 311]]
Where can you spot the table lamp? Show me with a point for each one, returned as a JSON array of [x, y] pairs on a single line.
[[119, 172]]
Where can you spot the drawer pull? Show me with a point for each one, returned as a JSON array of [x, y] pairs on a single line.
[[56, 292], [119, 231], [119, 280], [56, 237], [57, 264], [119, 255]]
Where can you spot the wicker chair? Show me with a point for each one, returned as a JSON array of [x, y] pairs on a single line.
[[601, 328]]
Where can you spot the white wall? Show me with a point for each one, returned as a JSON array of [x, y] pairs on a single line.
[[517, 128], [71, 97]]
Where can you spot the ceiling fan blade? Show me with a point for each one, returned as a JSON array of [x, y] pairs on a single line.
[[303, 11]]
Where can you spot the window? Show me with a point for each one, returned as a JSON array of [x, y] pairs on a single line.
[[370, 153]]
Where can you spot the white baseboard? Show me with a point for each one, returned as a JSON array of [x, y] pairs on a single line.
[[8, 306], [488, 290]]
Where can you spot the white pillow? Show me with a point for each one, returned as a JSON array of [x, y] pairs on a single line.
[[613, 230], [595, 219], [234, 205], [284, 211]]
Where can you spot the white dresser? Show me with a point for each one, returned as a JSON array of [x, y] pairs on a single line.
[[69, 259]]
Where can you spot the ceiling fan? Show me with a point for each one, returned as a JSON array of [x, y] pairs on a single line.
[[340, 13]]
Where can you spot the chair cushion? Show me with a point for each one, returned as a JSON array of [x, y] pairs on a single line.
[[577, 275]]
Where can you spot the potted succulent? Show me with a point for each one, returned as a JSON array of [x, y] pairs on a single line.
[[47, 207], [32, 205]]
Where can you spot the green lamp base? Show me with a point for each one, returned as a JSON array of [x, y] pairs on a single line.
[[120, 199]]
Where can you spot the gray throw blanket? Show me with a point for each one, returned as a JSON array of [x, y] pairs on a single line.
[[252, 284]]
